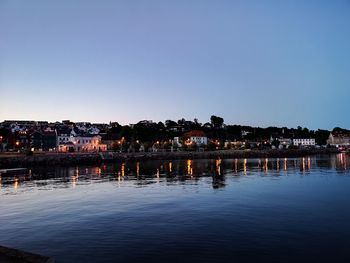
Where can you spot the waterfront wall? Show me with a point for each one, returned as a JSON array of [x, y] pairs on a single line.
[[48, 159], [69, 159]]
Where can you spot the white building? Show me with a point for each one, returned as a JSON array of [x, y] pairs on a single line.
[[197, 137], [199, 140], [17, 128], [284, 143], [177, 142], [93, 130], [83, 143], [304, 142], [63, 137], [339, 139], [233, 144]]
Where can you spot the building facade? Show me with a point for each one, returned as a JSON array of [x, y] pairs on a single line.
[[63, 136], [197, 137], [304, 142], [43, 140], [339, 140], [83, 143]]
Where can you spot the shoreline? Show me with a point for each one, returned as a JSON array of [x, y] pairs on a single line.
[[16, 255], [11, 160]]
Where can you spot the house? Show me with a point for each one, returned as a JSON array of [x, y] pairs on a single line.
[[49, 140], [145, 122], [17, 128], [43, 140], [106, 139], [21, 139], [304, 142], [93, 130], [5, 138], [244, 133], [339, 139], [142, 148], [67, 122], [283, 141], [84, 143], [177, 142], [233, 144], [36, 140], [66, 147], [195, 136], [63, 136], [88, 143], [155, 147]]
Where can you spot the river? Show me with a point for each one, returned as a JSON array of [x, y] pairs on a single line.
[[232, 210]]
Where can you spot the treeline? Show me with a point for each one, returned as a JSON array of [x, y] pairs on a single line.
[[146, 131]]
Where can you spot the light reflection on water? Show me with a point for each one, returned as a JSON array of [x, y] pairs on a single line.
[[171, 170], [241, 210]]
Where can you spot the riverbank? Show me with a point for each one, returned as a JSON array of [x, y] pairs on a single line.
[[8, 160]]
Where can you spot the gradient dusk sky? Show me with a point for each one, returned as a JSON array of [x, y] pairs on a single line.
[[260, 63]]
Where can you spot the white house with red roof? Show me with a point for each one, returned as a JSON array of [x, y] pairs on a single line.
[[196, 136]]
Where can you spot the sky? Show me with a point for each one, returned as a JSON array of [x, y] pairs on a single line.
[[259, 63]]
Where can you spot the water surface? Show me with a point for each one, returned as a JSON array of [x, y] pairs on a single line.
[[238, 210]]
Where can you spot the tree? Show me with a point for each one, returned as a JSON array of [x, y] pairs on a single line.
[[116, 146], [125, 132], [275, 143], [321, 136], [181, 122], [211, 146], [216, 121], [340, 130], [170, 124]]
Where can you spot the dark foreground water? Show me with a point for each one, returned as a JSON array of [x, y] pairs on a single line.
[[256, 210]]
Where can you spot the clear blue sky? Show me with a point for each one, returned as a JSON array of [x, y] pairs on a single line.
[[261, 63]]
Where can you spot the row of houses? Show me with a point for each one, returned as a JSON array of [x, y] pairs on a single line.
[[53, 140], [283, 143], [68, 137], [69, 141], [199, 138], [336, 139]]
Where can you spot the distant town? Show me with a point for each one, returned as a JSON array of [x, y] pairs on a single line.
[[148, 136]]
